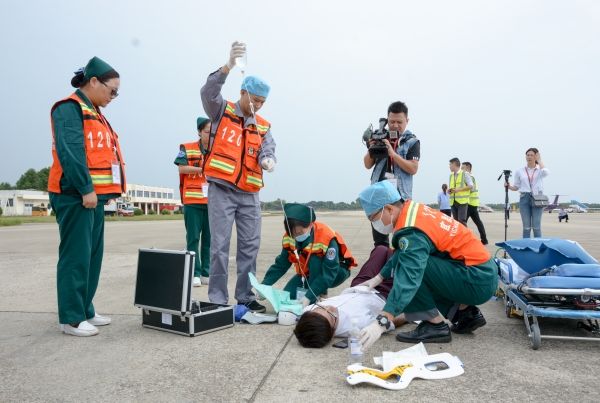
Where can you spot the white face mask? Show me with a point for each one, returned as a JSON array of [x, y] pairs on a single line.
[[303, 237], [380, 227]]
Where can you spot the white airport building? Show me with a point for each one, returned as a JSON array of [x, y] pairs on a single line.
[[35, 202], [152, 198], [23, 202]]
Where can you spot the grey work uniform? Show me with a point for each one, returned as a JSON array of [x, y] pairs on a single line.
[[226, 204]]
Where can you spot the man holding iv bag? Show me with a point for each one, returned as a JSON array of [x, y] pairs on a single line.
[[240, 148]]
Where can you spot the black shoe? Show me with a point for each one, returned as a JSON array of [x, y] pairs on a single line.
[[254, 306], [484, 241], [427, 332], [467, 320]]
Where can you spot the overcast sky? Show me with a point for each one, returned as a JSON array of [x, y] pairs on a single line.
[[483, 81]]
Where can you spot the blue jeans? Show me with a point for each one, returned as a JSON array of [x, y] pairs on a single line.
[[531, 216]]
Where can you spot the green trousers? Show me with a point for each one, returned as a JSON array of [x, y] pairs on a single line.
[[296, 282], [79, 256], [449, 282], [196, 227]]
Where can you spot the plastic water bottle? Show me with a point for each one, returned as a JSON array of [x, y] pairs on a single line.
[[354, 344]]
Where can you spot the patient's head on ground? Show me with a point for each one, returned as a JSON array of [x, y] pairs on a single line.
[[313, 330]]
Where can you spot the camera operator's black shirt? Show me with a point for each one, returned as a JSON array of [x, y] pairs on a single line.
[[413, 153]]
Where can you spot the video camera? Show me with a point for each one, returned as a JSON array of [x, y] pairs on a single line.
[[377, 148]]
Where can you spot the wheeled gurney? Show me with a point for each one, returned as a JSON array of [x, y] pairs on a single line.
[[551, 278]]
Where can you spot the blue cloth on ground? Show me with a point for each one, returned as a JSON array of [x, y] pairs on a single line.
[[240, 310]]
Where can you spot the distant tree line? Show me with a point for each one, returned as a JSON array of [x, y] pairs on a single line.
[[31, 179], [317, 205], [275, 205]]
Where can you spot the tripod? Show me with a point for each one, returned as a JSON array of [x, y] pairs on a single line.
[[506, 174]]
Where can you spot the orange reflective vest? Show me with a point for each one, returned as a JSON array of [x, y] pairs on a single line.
[[193, 186], [102, 151], [233, 155], [322, 236], [446, 234]]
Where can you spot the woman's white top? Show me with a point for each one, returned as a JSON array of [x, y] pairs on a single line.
[[529, 180]]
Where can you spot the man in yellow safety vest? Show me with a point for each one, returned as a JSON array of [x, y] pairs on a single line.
[[459, 190], [473, 209]]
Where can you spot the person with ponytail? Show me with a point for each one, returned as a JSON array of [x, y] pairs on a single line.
[[87, 171], [444, 201]]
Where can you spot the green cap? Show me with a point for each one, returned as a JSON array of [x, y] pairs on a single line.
[[200, 121], [96, 67], [299, 212]]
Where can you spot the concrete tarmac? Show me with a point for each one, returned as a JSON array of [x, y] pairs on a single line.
[[262, 363]]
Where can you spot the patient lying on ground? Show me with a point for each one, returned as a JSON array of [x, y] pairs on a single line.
[[333, 316]]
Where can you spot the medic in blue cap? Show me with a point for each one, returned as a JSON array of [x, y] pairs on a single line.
[[240, 149], [440, 269]]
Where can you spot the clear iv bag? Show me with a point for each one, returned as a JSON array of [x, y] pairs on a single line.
[[241, 61]]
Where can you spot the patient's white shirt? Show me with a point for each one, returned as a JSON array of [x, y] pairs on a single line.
[[363, 307]]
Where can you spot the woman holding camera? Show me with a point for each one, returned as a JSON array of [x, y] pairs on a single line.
[[529, 182]]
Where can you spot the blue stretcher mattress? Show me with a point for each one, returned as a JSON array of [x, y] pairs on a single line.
[[567, 275], [563, 282], [570, 268], [535, 254], [577, 270]]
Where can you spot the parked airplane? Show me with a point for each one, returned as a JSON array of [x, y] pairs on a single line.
[[553, 205], [579, 207]]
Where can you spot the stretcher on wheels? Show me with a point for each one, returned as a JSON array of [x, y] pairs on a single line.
[[550, 278]]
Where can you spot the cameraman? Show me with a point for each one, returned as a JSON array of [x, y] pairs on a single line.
[[402, 161]]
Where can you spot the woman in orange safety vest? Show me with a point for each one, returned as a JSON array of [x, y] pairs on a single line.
[[87, 171]]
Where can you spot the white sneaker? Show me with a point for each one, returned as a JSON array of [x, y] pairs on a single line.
[[99, 320], [84, 329], [196, 282], [204, 280]]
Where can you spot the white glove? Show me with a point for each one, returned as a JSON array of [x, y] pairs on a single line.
[[268, 164], [238, 49], [304, 301], [372, 283], [358, 289], [370, 334]]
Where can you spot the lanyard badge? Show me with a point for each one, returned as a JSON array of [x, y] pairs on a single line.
[[116, 172]]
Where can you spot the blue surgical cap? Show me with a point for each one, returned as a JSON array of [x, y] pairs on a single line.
[[256, 86], [373, 198]]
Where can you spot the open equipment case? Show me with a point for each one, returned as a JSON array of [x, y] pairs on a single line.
[[163, 289]]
